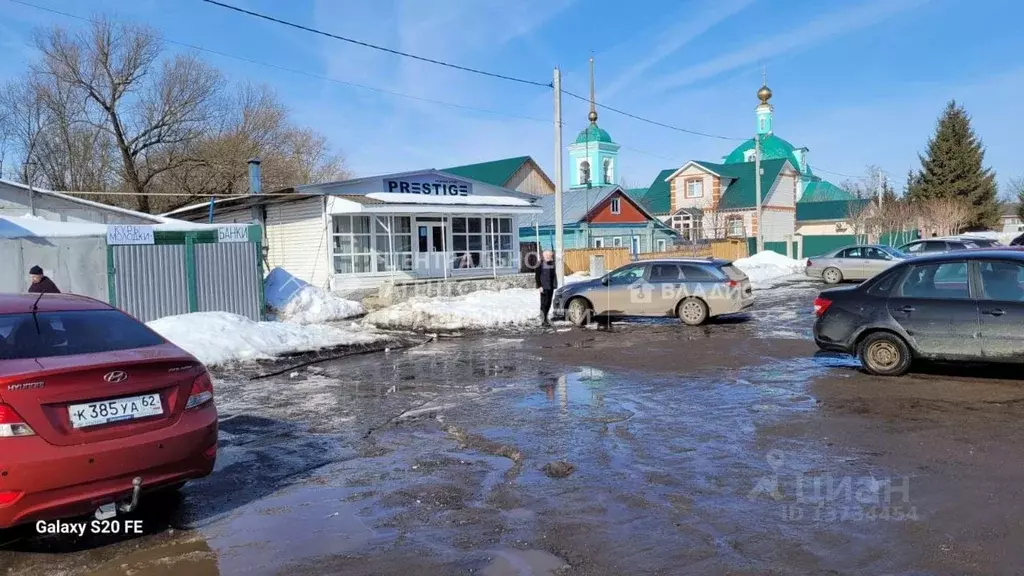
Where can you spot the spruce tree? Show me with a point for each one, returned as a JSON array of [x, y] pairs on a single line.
[[954, 168]]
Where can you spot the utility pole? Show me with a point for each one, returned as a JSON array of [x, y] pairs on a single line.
[[881, 187], [757, 192], [559, 268]]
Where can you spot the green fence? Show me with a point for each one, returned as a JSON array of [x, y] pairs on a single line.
[[153, 273], [778, 247], [825, 243]]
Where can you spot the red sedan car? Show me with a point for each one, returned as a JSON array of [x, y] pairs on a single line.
[[95, 409]]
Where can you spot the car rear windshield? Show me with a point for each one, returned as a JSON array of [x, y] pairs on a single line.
[[49, 334], [734, 273]]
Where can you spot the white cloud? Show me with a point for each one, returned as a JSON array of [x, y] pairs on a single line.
[[791, 40], [691, 24]]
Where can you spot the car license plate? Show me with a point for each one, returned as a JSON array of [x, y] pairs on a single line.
[[96, 413]]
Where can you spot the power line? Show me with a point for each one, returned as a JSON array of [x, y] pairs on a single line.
[[649, 121], [296, 71], [376, 47]]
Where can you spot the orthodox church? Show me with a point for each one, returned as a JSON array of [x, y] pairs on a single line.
[[710, 200], [596, 211]]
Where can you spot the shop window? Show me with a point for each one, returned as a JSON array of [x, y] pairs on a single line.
[[361, 244], [482, 243]]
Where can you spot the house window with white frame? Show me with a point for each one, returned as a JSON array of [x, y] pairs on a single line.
[[599, 242], [695, 188], [734, 226], [361, 244], [616, 205], [617, 242], [662, 245]]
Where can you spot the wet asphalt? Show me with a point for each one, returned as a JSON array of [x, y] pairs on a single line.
[[650, 448]]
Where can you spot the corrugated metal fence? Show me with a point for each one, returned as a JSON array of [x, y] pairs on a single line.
[[183, 272], [221, 281], [149, 281]]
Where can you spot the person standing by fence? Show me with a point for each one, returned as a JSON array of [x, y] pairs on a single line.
[[41, 284], [547, 282]]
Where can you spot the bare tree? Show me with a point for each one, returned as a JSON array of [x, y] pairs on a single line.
[[893, 221], [859, 218], [1015, 194], [152, 110], [946, 216], [25, 119]]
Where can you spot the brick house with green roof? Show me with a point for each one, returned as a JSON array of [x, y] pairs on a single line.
[[521, 173], [708, 200]]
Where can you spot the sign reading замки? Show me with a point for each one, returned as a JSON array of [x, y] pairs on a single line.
[[129, 234], [428, 185]]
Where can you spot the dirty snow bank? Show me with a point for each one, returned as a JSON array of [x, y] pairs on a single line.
[[766, 269], [217, 338], [576, 277], [312, 305], [476, 310]]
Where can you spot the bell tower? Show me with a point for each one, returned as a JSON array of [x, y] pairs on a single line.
[[593, 157]]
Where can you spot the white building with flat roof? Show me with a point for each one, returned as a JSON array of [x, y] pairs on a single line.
[[360, 233]]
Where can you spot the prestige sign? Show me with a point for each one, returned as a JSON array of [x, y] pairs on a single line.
[[429, 186]]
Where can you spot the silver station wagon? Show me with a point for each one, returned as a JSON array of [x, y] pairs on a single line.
[[691, 289]]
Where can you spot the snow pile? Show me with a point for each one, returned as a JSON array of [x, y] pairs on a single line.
[[221, 338], [312, 305], [476, 310], [765, 269]]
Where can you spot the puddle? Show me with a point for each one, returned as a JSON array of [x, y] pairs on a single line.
[[299, 523], [523, 563]]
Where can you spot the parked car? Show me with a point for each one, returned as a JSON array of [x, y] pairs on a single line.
[[1018, 241], [858, 262], [690, 289], [96, 410], [933, 245], [955, 306]]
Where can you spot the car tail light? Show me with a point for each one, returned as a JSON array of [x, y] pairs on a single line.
[[732, 283], [202, 391], [12, 425], [9, 497], [820, 305]]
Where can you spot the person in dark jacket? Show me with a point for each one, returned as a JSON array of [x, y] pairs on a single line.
[[547, 282], [41, 284]]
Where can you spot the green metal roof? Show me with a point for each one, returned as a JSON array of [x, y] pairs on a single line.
[[657, 198], [828, 209], [823, 191], [772, 148], [496, 172], [593, 134], [742, 191]]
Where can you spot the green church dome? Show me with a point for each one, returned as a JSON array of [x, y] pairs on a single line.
[[593, 134], [772, 148]]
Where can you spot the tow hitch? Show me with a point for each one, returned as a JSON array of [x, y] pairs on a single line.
[[108, 511]]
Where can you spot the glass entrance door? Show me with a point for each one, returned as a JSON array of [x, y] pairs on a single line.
[[430, 248]]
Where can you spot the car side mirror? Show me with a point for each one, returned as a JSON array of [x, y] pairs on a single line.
[[604, 280]]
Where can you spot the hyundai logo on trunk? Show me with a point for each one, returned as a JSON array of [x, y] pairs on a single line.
[[115, 377]]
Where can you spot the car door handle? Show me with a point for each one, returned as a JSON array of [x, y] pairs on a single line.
[[994, 312], [905, 309]]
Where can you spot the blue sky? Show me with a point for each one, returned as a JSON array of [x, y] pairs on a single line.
[[858, 82]]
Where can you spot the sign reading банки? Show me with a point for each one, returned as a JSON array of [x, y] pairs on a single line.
[[429, 186]]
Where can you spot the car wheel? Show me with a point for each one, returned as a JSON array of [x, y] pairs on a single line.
[[832, 276], [885, 354], [578, 312], [693, 311]]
